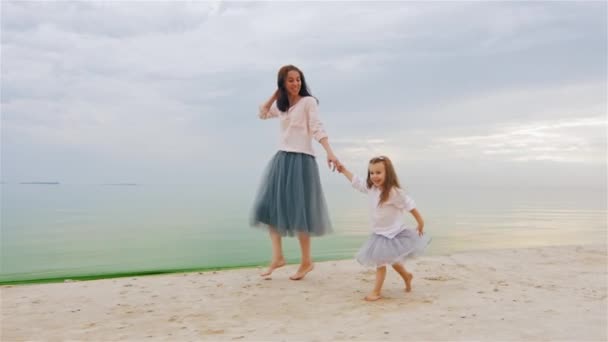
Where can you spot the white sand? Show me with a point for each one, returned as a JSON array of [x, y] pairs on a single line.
[[538, 294]]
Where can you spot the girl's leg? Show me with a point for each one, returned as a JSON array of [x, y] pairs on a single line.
[[277, 252], [407, 277], [380, 275], [306, 264]]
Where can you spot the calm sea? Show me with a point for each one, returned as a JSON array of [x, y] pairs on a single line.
[[71, 231]]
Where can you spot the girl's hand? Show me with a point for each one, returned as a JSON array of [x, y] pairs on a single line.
[[420, 230], [333, 162], [343, 170]]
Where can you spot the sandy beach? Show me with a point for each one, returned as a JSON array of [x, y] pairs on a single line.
[[532, 294]]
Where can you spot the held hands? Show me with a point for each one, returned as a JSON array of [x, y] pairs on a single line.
[[333, 162], [343, 170]]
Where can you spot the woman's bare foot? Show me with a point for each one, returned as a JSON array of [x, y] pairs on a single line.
[[408, 281], [302, 271], [273, 266], [372, 297]]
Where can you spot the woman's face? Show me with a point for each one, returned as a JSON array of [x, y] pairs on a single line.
[[293, 83]]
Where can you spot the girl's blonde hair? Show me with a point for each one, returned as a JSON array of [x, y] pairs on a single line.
[[390, 181]]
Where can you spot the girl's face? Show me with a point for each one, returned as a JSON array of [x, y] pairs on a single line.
[[377, 174], [293, 83]]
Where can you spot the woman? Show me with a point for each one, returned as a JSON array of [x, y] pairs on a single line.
[[290, 200]]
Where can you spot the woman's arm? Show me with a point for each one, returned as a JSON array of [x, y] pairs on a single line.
[[265, 109], [332, 160], [318, 132]]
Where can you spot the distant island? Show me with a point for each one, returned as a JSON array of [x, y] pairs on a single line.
[[121, 184], [41, 183]]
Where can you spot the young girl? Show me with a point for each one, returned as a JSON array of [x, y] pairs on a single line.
[[390, 242]]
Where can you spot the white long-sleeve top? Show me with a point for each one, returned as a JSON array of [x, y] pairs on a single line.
[[386, 219], [299, 125]]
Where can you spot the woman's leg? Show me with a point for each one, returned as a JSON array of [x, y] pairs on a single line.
[[277, 252], [306, 264], [380, 275]]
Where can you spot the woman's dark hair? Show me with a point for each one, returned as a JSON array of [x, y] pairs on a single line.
[[283, 100]]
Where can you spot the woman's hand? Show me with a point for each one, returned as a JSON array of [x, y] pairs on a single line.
[[333, 162], [420, 230]]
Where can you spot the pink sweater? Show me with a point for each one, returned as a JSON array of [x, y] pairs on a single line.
[[299, 125]]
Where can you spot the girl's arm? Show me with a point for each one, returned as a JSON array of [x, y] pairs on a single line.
[[343, 170], [419, 220], [355, 181], [405, 202]]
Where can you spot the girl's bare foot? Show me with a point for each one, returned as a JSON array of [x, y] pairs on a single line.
[[408, 281], [302, 271], [372, 297], [273, 266]]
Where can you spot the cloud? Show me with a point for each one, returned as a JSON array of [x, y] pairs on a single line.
[[577, 140], [567, 140], [562, 124], [165, 83], [107, 19]]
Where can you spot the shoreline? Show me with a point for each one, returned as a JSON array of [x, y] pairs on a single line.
[[477, 295], [152, 272]]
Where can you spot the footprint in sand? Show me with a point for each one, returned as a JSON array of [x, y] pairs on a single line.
[[214, 331], [439, 278]]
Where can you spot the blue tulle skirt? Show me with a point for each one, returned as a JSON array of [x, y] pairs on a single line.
[[379, 250], [290, 198]]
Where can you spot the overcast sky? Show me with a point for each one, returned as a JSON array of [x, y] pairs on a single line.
[[167, 92]]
